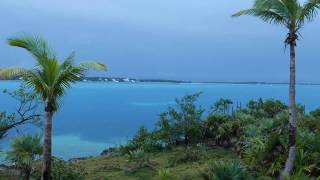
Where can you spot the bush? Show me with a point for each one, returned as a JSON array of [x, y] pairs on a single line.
[[144, 140], [125, 149], [138, 156], [264, 144], [225, 170], [222, 106], [220, 128], [258, 133], [265, 109], [308, 153], [24, 151], [165, 174], [165, 131], [183, 121], [264, 139], [62, 170]]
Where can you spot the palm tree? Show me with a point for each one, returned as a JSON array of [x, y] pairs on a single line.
[[49, 79], [292, 15], [24, 151]]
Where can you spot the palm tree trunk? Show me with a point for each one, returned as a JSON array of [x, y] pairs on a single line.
[[27, 174], [46, 171], [292, 114]]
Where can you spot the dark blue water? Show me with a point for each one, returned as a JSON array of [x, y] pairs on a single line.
[[97, 115]]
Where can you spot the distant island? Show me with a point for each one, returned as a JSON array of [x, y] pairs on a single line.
[[136, 80]]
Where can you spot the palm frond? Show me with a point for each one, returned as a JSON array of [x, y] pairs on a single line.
[[93, 65], [36, 45], [250, 12], [9, 73], [68, 61], [70, 58], [67, 76], [293, 7], [49, 78], [270, 11], [309, 10], [35, 80], [268, 16]]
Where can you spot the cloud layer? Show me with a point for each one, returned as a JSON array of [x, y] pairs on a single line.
[[169, 39]]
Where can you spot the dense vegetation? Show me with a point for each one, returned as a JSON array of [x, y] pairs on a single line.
[[257, 133], [228, 143], [292, 15]]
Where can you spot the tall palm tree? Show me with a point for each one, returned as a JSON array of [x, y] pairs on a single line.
[[292, 15], [49, 79]]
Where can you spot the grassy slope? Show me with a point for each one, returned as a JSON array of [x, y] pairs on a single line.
[[7, 176], [117, 167]]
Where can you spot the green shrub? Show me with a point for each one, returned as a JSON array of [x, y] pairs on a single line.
[[225, 170], [264, 145], [138, 156], [183, 121], [222, 106], [265, 108], [165, 130], [258, 133], [298, 177], [24, 151], [263, 141], [125, 149], [62, 170], [144, 140], [165, 174], [220, 128], [308, 153]]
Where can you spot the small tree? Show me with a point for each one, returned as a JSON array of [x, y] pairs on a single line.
[[164, 130], [222, 106], [184, 119], [145, 140], [24, 151], [26, 112]]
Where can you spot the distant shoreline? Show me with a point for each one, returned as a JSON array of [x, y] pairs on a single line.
[[135, 80]]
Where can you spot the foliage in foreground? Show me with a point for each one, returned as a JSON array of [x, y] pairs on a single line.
[[225, 170], [117, 166], [26, 112], [24, 151], [62, 170], [49, 79], [257, 132]]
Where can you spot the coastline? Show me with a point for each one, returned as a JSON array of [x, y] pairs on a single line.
[[134, 80]]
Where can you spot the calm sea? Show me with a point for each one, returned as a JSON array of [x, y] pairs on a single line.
[[97, 115]]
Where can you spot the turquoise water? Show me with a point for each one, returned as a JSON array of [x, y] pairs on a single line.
[[97, 115]]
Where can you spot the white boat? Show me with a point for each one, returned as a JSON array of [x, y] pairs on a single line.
[[114, 80]]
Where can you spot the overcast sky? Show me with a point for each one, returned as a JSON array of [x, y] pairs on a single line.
[[168, 39]]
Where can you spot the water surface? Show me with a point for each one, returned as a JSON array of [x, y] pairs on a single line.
[[97, 115]]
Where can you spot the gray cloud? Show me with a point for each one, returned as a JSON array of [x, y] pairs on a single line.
[[179, 39]]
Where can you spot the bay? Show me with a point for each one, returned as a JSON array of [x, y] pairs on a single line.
[[97, 115]]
